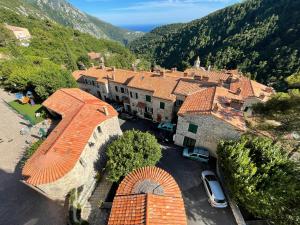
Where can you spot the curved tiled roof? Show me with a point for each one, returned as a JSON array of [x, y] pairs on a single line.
[[148, 195], [214, 101], [58, 154]]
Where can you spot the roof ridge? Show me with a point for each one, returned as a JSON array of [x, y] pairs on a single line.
[[63, 90]]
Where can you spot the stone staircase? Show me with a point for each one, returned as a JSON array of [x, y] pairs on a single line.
[[91, 211]]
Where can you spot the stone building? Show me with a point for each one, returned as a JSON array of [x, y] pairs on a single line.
[[208, 116], [21, 33], [148, 196], [170, 95], [68, 159]]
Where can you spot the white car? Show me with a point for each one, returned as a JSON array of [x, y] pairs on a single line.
[[216, 197]]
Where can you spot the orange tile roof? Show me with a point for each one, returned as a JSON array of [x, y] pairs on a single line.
[[103, 75], [187, 87], [212, 75], [148, 195], [58, 154], [214, 101], [161, 86], [250, 88]]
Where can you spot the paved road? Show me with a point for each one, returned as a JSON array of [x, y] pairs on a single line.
[[19, 204], [187, 174]]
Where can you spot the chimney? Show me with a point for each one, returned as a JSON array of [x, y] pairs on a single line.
[[209, 68], [185, 74], [215, 107], [105, 110], [262, 96], [197, 77], [238, 91], [174, 69], [133, 66], [162, 73], [220, 83]]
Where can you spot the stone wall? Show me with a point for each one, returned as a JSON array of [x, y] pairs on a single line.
[[85, 170], [210, 131], [114, 93], [166, 114], [97, 89]]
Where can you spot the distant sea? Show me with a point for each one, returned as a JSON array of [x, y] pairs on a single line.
[[143, 28]]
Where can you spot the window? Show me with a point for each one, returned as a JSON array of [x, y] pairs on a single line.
[[93, 83], [148, 98], [117, 98], [99, 129], [82, 162], [131, 95], [208, 187], [178, 102], [189, 142], [95, 136], [122, 90], [136, 95], [148, 110], [85, 81], [162, 105], [116, 88], [193, 128]]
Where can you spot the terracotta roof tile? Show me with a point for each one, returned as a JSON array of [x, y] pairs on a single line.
[[187, 87], [215, 101], [58, 154], [148, 196], [161, 86]]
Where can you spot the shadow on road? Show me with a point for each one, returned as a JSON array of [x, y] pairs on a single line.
[[20, 204]]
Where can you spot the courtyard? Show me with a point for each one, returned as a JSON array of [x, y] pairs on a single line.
[[187, 174]]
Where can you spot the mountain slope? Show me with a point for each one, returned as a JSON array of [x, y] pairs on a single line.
[[260, 37], [64, 13]]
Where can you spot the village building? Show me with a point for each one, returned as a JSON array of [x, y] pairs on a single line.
[[94, 55], [213, 101], [68, 159], [21, 33], [148, 196]]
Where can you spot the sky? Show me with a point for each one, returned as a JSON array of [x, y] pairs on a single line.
[[149, 12]]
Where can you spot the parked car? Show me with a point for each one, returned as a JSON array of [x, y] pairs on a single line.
[[117, 107], [166, 126], [126, 116], [216, 197], [197, 153]]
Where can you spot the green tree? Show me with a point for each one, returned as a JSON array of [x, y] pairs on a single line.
[[133, 150], [260, 178]]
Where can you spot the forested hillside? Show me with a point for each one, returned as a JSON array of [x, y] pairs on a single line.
[[53, 53], [66, 14], [260, 37]]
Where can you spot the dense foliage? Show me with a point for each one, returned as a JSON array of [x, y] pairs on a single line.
[[283, 107], [260, 37], [54, 51], [133, 150], [36, 74], [262, 179], [64, 13]]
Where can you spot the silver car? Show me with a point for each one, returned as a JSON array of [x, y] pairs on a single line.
[[216, 197]]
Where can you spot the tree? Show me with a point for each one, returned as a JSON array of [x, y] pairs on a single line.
[[133, 150], [261, 179]]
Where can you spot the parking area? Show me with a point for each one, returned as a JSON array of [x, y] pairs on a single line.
[[187, 174]]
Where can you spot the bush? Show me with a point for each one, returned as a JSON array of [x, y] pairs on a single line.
[[30, 151], [133, 150], [261, 178]]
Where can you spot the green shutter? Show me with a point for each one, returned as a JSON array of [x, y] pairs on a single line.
[[193, 128], [148, 98], [162, 105]]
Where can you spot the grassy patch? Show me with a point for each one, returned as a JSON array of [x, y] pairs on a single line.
[[28, 111]]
